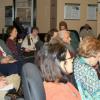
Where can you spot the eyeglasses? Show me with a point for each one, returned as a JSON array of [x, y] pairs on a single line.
[[65, 61]]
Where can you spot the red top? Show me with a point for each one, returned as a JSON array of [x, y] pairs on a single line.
[[60, 91]]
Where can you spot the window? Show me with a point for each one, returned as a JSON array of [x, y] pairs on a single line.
[[72, 11], [91, 12]]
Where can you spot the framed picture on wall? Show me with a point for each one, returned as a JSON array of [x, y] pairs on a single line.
[[72, 11], [8, 15]]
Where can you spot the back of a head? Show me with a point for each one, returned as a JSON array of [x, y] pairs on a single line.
[[49, 64], [64, 35], [87, 26], [89, 46], [50, 34]]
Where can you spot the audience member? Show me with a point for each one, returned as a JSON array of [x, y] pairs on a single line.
[[65, 36], [11, 42], [53, 33], [8, 65], [63, 25], [20, 29], [55, 66], [84, 72], [86, 30], [32, 41], [73, 35]]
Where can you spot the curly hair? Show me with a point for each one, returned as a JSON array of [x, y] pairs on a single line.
[[89, 47]]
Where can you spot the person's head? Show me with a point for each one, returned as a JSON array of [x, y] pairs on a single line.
[[34, 31], [65, 36], [89, 48], [63, 25], [12, 31], [57, 63], [87, 26], [51, 34], [17, 18]]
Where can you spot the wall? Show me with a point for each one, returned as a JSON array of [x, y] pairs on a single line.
[[75, 24], [43, 15], [3, 3], [98, 18]]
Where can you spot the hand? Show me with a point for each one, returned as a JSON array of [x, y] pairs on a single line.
[[5, 60], [10, 57], [27, 50], [3, 82]]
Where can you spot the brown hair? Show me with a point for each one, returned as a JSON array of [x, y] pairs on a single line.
[[49, 63], [10, 29], [89, 47], [50, 34], [63, 23]]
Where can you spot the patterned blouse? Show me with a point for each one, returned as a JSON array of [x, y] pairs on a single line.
[[86, 75]]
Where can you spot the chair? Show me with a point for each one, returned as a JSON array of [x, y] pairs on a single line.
[[32, 83]]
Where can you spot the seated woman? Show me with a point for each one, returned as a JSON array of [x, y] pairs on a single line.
[[11, 43], [55, 65], [84, 72], [8, 65]]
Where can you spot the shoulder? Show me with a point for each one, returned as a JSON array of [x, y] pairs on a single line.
[[9, 41], [1, 41]]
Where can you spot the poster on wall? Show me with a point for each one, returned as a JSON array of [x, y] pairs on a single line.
[[8, 15], [72, 11]]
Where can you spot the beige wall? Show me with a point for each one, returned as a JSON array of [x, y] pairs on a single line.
[[3, 3], [75, 24], [98, 22], [43, 15]]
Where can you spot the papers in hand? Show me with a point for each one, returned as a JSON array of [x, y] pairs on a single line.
[[7, 87]]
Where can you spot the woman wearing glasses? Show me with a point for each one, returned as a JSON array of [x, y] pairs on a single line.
[[55, 66]]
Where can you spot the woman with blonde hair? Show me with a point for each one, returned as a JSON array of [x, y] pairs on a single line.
[[84, 72]]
